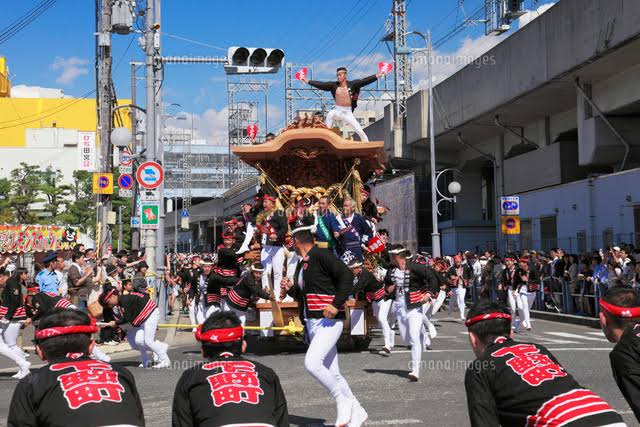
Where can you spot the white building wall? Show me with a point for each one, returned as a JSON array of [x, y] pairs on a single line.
[[614, 197]]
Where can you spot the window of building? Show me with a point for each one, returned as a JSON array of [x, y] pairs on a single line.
[[581, 237], [548, 233], [607, 237]]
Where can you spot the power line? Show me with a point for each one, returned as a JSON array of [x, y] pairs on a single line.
[[194, 41], [25, 20]]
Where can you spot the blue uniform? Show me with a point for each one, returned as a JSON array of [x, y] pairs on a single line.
[[48, 281]]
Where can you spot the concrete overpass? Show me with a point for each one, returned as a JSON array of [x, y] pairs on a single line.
[[555, 104]]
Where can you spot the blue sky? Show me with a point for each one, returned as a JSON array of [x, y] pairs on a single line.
[[57, 50]]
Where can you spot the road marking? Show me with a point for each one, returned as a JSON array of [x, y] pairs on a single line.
[[580, 349], [546, 340], [597, 333], [394, 422], [575, 336], [409, 351]]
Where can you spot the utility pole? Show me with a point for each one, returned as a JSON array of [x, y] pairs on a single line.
[[120, 227], [435, 235], [135, 232], [104, 119], [160, 252], [150, 142], [402, 72]]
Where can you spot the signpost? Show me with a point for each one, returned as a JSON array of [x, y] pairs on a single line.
[[510, 205], [150, 216], [149, 196], [125, 182], [135, 222], [150, 175], [102, 183], [184, 219], [510, 225]]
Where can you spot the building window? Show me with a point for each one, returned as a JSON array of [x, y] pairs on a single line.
[[607, 237], [581, 237]]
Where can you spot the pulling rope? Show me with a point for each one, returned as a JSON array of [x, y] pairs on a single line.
[[291, 328]]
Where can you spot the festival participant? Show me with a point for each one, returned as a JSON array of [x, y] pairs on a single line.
[[143, 315], [430, 307], [42, 303], [12, 315], [346, 94], [272, 223], [322, 284], [228, 390], [328, 229], [411, 287], [354, 231], [508, 293], [620, 321], [373, 291], [72, 389], [516, 383], [527, 284], [242, 293], [460, 275]]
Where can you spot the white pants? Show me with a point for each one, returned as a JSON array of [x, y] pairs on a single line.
[[143, 338], [457, 297], [209, 311], [522, 303], [410, 327], [9, 332], [242, 315], [292, 261], [381, 311], [272, 258], [321, 360], [198, 312], [442, 295], [511, 299], [345, 115]]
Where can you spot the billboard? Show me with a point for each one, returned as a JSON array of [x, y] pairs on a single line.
[[399, 194], [37, 238]]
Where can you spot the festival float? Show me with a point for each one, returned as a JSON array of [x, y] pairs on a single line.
[[304, 162]]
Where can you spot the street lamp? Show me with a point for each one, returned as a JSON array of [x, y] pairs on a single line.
[[454, 188]]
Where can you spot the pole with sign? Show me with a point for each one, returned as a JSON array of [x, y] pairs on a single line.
[[510, 218]]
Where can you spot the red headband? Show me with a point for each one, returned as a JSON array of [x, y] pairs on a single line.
[[220, 335], [268, 197], [624, 312], [525, 260], [509, 259], [67, 330], [488, 316], [228, 236], [109, 295]]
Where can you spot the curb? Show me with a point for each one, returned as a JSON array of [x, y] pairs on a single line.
[[590, 322]]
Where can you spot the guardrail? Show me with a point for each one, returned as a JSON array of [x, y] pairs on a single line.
[[579, 297]]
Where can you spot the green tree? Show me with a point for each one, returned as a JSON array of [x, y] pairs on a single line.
[[80, 207], [6, 213], [25, 189], [55, 194]]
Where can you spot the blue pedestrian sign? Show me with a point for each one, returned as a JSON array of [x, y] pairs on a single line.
[[184, 213]]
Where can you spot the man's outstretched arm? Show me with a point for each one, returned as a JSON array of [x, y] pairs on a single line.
[[366, 81], [319, 85]]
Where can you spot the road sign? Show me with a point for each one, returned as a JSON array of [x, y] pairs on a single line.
[[125, 169], [149, 195], [125, 158], [510, 205], [125, 193], [184, 213], [135, 222], [150, 216], [510, 225], [125, 181], [150, 175], [102, 183]]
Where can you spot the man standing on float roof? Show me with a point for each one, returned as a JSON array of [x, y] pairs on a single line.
[[345, 93]]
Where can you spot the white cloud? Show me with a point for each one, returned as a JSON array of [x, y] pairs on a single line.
[[24, 91], [69, 69], [531, 15], [212, 124], [357, 66]]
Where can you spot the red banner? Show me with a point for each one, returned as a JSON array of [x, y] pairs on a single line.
[[301, 73], [385, 67], [252, 131]]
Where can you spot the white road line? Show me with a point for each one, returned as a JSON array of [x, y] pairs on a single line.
[[394, 422], [424, 352], [575, 336], [580, 349], [597, 333], [546, 340]]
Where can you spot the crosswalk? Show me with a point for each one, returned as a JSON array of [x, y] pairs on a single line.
[[554, 337]]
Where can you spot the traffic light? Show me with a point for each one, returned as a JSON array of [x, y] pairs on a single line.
[[513, 9], [253, 60]]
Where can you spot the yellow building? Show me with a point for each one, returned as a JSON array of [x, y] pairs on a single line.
[[47, 131]]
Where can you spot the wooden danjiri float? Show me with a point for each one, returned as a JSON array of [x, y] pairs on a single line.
[[304, 162]]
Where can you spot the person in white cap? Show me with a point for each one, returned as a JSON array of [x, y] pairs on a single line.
[[245, 291]]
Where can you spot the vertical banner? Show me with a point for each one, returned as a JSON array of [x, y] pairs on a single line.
[[86, 151]]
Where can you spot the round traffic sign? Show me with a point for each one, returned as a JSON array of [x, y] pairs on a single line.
[[125, 181], [510, 223], [510, 205], [103, 181], [125, 158], [150, 175]]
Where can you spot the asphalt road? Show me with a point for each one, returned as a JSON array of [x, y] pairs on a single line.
[[380, 382]]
